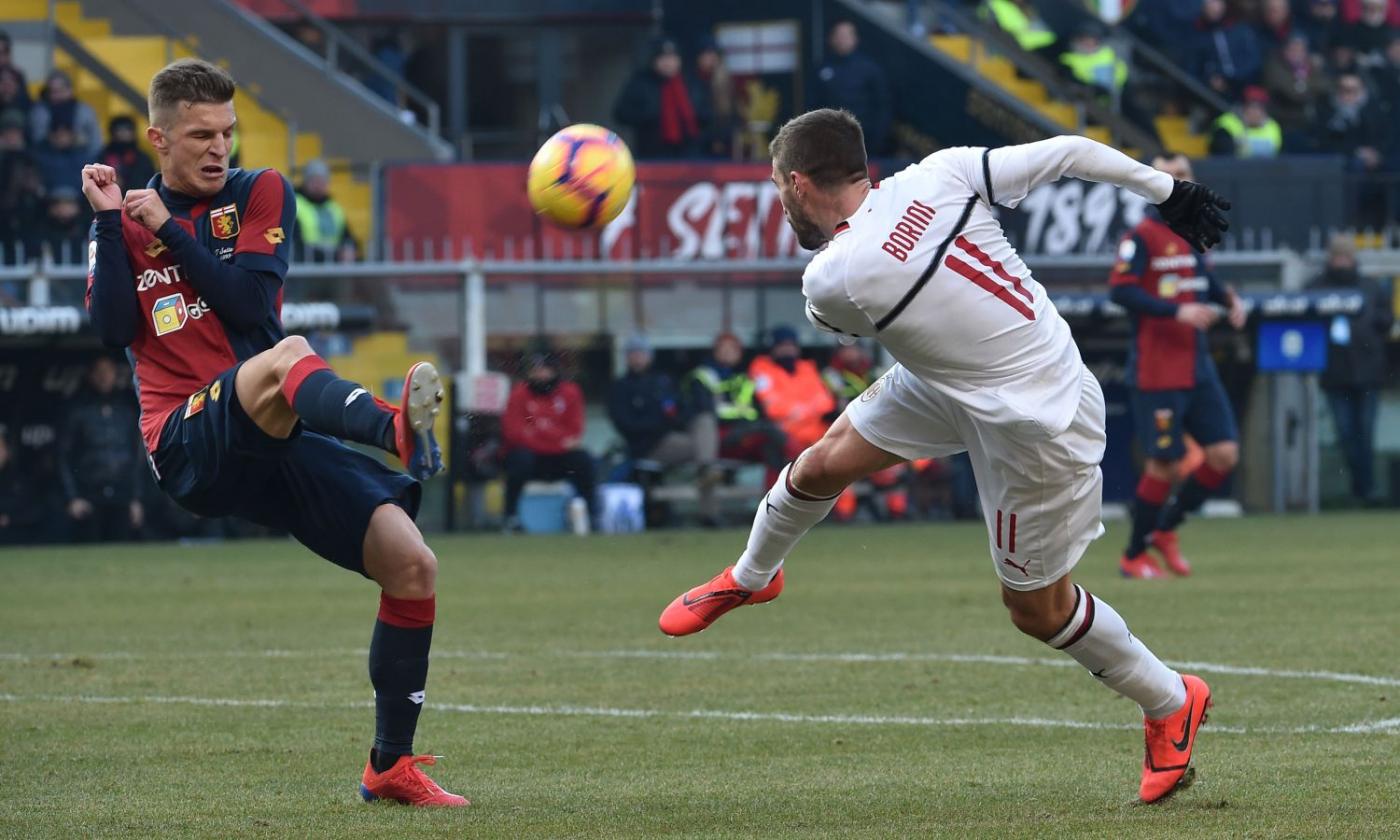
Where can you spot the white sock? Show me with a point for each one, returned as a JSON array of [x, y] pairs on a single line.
[[784, 515], [1097, 637]]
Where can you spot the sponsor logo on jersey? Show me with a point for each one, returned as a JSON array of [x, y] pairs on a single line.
[[1163, 416], [169, 313], [156, 248], [417, 697], [274, 236], [195, 403], [916, 219], [223, 221], [168, 276], [216, 389], [1179, 262]]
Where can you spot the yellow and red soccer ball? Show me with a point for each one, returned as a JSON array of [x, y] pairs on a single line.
[[581, 177]]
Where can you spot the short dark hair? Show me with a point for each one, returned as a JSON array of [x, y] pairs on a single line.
[[188, 80], [826, 145]]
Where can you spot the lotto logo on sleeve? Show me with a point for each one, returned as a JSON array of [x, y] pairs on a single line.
[[223, 221], [169, 313]]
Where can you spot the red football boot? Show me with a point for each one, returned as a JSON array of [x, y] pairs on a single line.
[[1142, 566], [1166, 765], [697, 609], [405, 783], [1165, 543]]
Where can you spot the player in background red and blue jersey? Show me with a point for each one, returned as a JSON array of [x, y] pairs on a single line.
[[241, 419], [1172, 298]]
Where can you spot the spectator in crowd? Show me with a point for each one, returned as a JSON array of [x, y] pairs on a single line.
[[646, 407], [542, 430], [1275, 25], [1356, 363], [721, 388], [14, 87], [387, 49], [791, 391], [1352, 124], [61, 159], [1370, 32], [1296, 83], [21, 510], [101, 460], [1225, 53], [850, 79], [322, 234], [1169, 26], [666, 110], [1320, 24], [134, 167], [65, 228], [1249, 131], [1020, 20], [1354, 10], [58, 104], [1093, 63], [20, 189], [718, 87], [1387, 79]]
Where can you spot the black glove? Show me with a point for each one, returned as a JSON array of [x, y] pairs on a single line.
[[1196, 214]]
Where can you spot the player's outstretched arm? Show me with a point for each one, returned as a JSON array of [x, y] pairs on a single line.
[[112, 301], [1195, 212]]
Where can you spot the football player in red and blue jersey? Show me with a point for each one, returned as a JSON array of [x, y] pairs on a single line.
[[241, 419], [1173, 299]]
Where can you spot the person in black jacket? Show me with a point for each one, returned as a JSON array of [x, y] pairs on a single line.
[[1356, 364], [646, 407], [665, 108], [851, 80], [101, 460]]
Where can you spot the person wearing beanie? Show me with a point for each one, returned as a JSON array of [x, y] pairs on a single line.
[[792, 391], [134, 167]]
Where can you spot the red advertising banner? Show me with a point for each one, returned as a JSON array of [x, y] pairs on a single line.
[[687, 211]]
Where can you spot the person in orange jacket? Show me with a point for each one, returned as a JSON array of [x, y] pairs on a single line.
[[792, 391]]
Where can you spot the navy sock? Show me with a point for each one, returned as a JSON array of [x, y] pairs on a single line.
[[1147, 510], [398, 668], [1191, 496], [337, 407]]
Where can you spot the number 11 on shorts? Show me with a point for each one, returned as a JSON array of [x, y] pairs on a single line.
[[1010, 531]]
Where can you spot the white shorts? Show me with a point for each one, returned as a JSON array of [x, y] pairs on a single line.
[[1042, 494]]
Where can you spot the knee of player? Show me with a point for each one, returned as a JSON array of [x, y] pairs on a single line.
[[1223, 457], [815, 471], [416, 572], [1034, 619], [289, 351]]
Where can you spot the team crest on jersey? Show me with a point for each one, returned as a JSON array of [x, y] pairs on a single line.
[[223, 221], [156, 248], [1163, 416], [169, 313], [874, 390]]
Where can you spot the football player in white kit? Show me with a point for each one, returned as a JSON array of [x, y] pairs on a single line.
[[985, 365]]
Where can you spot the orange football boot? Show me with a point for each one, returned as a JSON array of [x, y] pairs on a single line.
[[1165, 543], [1166, 766], [697, 609], [418, 407], [1142, 566], [405, 783]]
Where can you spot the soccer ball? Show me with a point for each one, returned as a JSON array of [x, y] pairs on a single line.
[[581, 177]]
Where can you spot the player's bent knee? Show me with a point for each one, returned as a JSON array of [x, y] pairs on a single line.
[[414, 575], [288, 352]]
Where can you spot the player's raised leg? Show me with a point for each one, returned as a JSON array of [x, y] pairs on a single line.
[[803, 495], [289, 381], [1068, 618], [396, 557]]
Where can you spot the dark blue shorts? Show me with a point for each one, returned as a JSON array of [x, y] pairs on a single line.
[[1163, 418], [215, 461]]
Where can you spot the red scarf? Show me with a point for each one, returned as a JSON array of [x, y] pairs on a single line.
[[677, 114]]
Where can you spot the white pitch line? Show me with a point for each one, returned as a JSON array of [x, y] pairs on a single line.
[[1389, 726], [709, 655]]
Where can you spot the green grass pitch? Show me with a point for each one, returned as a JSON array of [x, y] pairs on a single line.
[[221, 691]]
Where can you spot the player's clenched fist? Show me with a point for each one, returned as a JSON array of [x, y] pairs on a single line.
[[1202, 316], [147, 209], [100, 187]]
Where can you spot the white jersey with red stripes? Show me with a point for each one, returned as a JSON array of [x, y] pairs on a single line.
[[924, 267]]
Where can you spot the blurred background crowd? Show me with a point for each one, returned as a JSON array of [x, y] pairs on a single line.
[[687, 387]]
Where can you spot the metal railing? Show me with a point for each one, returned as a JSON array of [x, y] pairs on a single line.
[[339, 45]]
